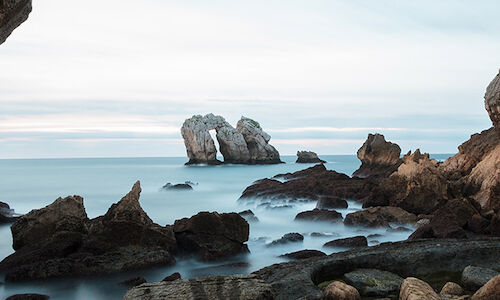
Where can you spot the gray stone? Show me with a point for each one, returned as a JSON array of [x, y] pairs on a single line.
[[475, 277], [373, 282], [492, 101], [261, 152]]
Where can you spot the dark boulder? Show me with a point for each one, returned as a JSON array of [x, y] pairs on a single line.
[[212, 236], [331, 202], [308, 157], [351, 242], [303, 254], [287, 238], [178, 187], [319, 215], [249, 216], [172, 277], [7, 214]]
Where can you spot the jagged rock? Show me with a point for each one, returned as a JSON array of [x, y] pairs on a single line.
[[331, 202], [293, 237], [373, 282], [247, 144], [416, 289], [451, 288], [338, 290], [28, 297], [212, 236], [238, 287], [308, 157], [261, 152], [249, 216], [134, 281], [319, 215], [59, 240], [492, 100], [304, 254], [351, 242], [378, 157], [490, 291], [475, 277], [418, 186], [12, 14], [380, 216]]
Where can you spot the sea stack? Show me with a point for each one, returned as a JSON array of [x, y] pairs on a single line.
[[378, 157], [308, 157], [245, 144]]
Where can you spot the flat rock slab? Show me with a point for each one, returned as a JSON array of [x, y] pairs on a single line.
[[373, 282], [237, 287]]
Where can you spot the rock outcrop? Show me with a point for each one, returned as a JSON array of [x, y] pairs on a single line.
[[247, 144], [378, 157], [212, 236], [7, 214], [12, 14], [60, 240], [308, 157]]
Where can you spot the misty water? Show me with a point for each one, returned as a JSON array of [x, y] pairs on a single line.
[[30, 184]]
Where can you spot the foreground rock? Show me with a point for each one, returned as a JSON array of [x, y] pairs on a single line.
[[374, 283], [59, 240], [12, 14], [338, 290], [351, 242], [308, 157], [380, 216], [238, 287], [247, 144], [378, 157], [212, 236], [416, 289], [304, 254], [319, 215], [475, 277], [490, 291], [451, 289]]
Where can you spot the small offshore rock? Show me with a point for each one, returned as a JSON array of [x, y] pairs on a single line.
[[373, 282], [304, 254], [331, 202], [338, 290], [172, 277], [319, 215], [475, 277], [287, 238], [351, 242], [249, 216], [451, 288], [134, 281], [28, 297], [416, 289], [178, 187], [308, 157], [490, 291]]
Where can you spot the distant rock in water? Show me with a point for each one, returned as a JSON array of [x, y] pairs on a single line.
[[180, 186], [12, 14], [287, 238], [249, 215], [308, 157], [247, 144], [7, 215], [378, 157]]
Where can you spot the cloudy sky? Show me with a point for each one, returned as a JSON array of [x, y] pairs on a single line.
[[117, 78]]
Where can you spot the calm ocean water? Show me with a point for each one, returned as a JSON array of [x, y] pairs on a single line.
[[34, 183]]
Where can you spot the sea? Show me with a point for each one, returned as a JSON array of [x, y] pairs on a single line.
[[27, 184]]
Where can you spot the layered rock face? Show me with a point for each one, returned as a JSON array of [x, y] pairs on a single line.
[[308, 157], [378, 157], [247, 144], [12, 14]]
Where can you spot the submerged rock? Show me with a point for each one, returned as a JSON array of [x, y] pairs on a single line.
[[237, 287], [212, 236], [338, 290], [179, 186], [308, 157], [249, 216], [287, 238], [12, 14], [373, 282], [28, 297], [304, 254], [351, 242], [319, 215], [378, 157], [475, 277]]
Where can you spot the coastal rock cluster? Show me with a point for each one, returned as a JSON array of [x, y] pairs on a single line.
[[12, 14], [61, 240], [245, 144]]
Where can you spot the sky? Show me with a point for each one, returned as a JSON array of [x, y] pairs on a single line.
[[117, 78]]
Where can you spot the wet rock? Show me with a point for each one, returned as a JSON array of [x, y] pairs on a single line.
[[304, 254], [12, 14], [28, 297], [475, 277], [490, 291], [172, 277], [212, 236], [351, 242], [238, 287], [249, 216], [451, 288], [416, 289], [338, 290], [59, 240], [373, 282], [287, 238], [308, 157], [319, 215], [331, 202], [378, 157], [134, 281], [179, 186], [261, 152], [380, 216]]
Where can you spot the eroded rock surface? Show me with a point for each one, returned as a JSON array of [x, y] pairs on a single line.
[[261, 152], [492, 101], [12, 14], [378, 157]]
